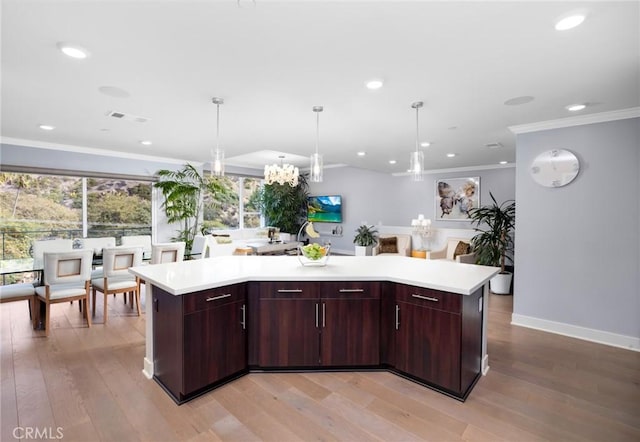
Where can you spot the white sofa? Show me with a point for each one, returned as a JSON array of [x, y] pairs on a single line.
[[449, 250], [403, 245]]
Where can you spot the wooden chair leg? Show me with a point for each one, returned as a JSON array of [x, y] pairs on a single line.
[[93, 305], [31, 302], [47, 320], [86, 310], [138, 301], [105, 309]]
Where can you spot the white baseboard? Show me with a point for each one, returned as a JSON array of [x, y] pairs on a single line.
[[574, 331], [148, 369]]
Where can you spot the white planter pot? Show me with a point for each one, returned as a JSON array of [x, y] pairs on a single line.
[[501, 283], [362, 251]]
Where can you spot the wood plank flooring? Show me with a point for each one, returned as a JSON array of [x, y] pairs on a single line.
[[88, 384]]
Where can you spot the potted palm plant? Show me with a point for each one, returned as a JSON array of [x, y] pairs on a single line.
[[493, 243], [366, 237]]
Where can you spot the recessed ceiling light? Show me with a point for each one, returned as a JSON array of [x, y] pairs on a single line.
[[516, 101], [46, 127], [575, 107], [503, 162], [425, 144], [361, 154], [392, 161], [73, 51], [570, 22], [374, 84], [146, 142], [451, 155], [113, 91]]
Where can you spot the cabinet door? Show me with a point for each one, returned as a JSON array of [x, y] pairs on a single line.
[[167, 340], [289, 332], [350, 323], [428, 345], [215, 345]]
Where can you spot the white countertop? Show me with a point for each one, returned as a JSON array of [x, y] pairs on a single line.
[[200, 274]]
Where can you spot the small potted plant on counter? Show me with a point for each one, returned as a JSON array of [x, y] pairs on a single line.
[[494, 241], [366, 237]]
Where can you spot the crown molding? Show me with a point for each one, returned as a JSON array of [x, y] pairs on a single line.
[[93, 151], [580, 120], [460, 169]]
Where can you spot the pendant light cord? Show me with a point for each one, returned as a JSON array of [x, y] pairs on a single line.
[[417, 129], [317, 131]]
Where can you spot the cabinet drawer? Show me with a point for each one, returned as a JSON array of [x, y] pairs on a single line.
[[429, 298], [212, 298], [288, 290], [350, 290]]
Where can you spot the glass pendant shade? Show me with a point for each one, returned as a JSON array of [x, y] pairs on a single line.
[[217, 156], [315, 163], [315, 168], [217, 163], [416, 166]]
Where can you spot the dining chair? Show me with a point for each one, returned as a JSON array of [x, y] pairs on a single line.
[[22, 291], [40, 247], [67, 277], [201, 247], [167, 252], [137, 240], [117, 279]]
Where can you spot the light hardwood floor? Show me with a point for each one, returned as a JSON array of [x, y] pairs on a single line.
[[89, 384]]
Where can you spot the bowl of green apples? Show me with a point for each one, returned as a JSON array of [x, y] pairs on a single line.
[[313, 254]]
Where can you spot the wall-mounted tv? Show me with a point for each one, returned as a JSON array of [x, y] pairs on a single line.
[[324, 209]]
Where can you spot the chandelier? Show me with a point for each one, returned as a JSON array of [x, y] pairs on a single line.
[[416, 164], [422, 227], [281, 174]]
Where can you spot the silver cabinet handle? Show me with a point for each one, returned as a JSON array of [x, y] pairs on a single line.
[[289, 290], [213, 298], [244, 317], [427, 298], [316, 315], [323, 313], [351, 290], [397, 317]]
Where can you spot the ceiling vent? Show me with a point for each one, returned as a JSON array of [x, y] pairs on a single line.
[[493, 145], [127, 117]]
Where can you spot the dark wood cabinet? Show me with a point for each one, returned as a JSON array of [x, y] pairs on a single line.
[[199, 339], [438, 337], [288, 334], [307, 324], [349, 324]]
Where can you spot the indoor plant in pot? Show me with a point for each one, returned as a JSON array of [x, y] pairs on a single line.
[[366, 237], [494, 241]]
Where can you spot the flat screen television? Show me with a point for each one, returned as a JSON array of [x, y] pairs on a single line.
[[324, 209]]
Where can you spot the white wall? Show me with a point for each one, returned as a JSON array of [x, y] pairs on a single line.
[[383, 200], [578, 246]]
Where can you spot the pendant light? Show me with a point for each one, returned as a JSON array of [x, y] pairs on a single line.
[[217, 157], [315, 167], [416, 164]]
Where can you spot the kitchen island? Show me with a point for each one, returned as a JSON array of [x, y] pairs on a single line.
[[423, 319]]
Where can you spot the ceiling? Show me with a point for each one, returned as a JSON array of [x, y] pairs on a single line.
[[273, 61]]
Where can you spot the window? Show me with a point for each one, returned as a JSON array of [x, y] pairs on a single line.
[[234, 206], [34, 207]]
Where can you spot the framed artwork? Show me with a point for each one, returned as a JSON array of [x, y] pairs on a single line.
[[455, 197]]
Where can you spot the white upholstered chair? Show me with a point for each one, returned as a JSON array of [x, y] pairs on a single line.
[[167, 252], [455, 249], [117, 279], [67, 277], [201, 247], [49, 245], [97, 244], [387, 246], [22, 291], [138, 240]]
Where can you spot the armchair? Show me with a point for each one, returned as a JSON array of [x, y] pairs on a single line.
[[452, 252], [385, 245]]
